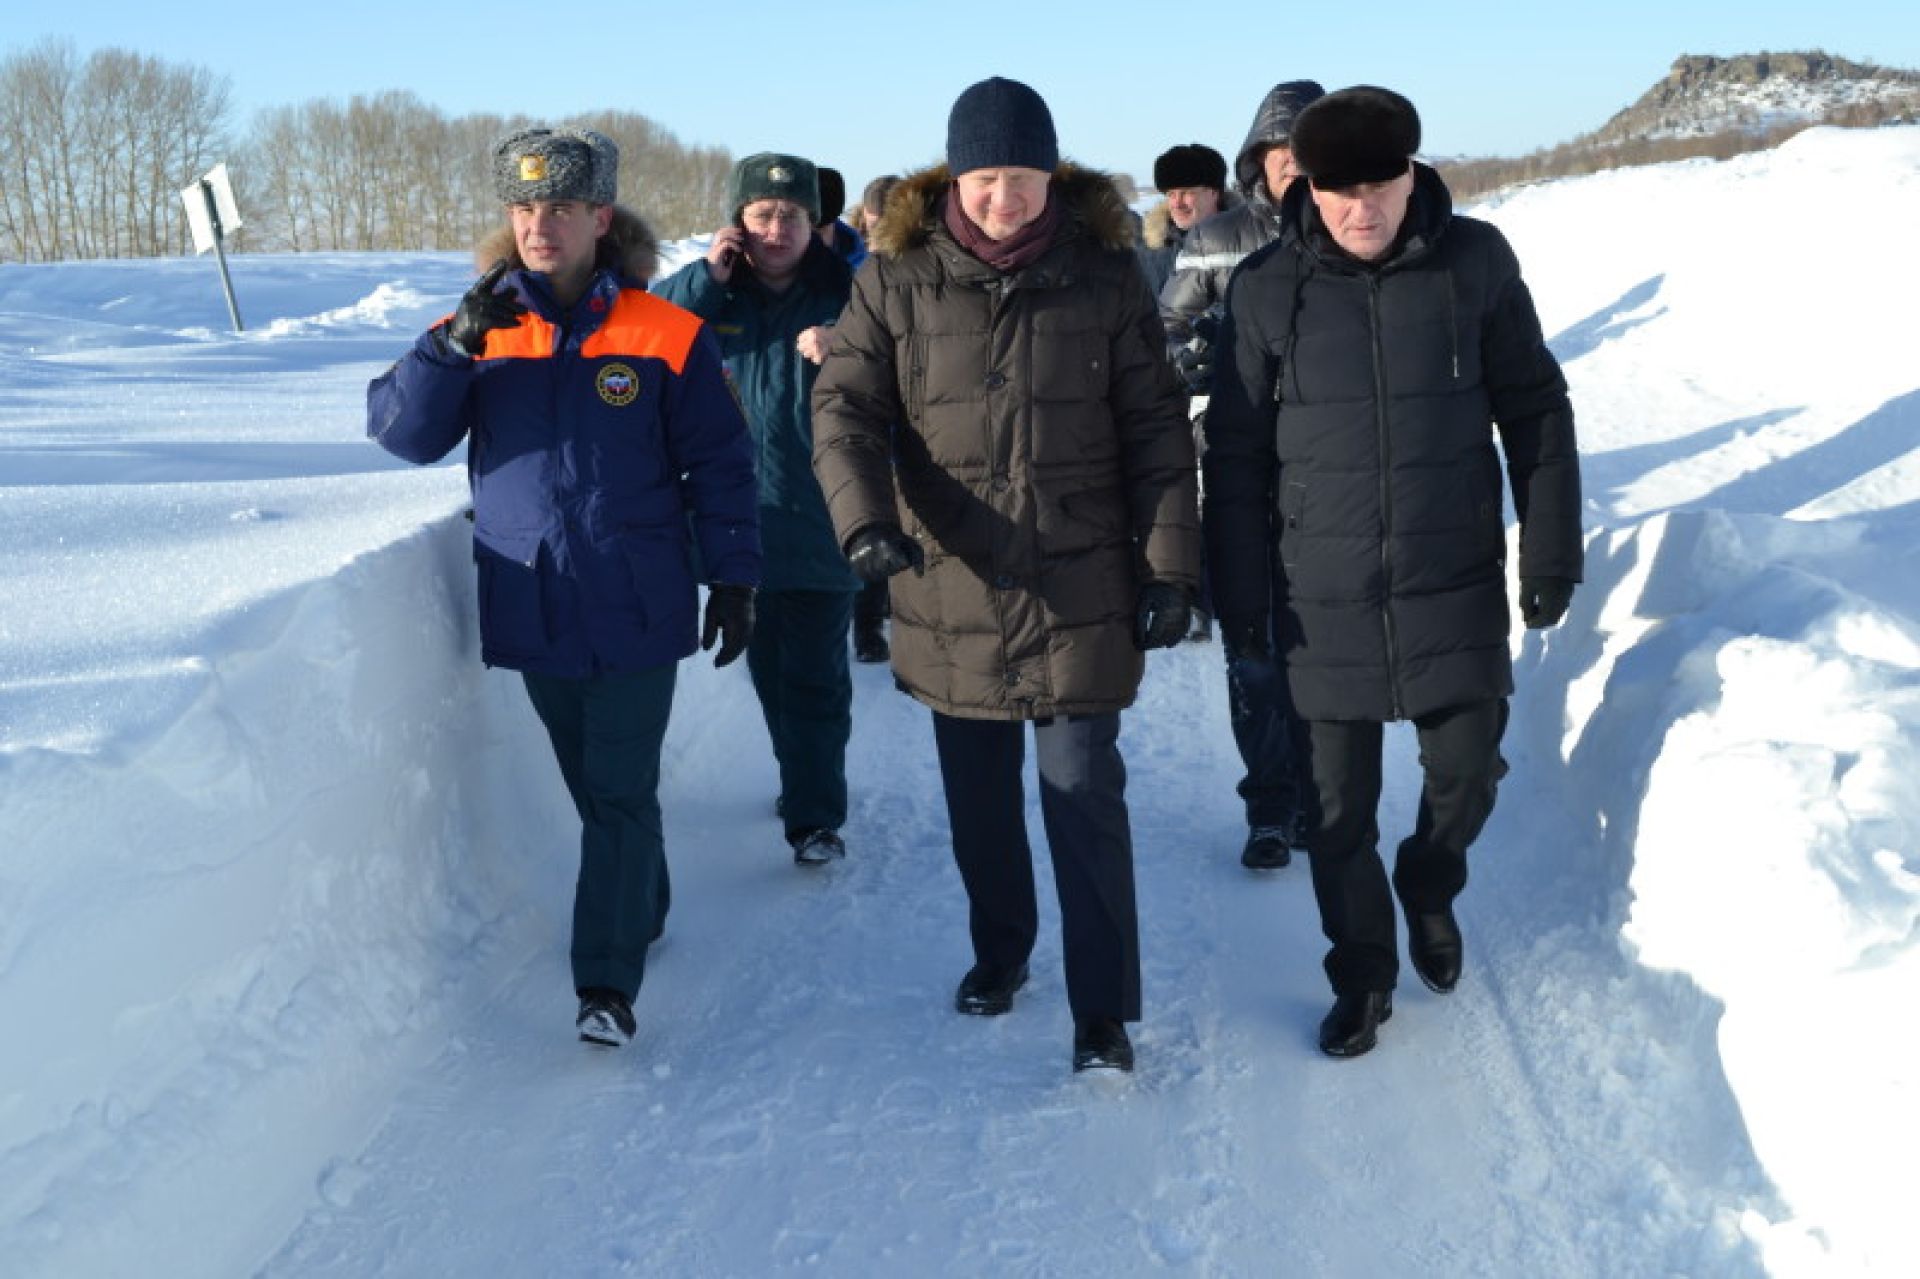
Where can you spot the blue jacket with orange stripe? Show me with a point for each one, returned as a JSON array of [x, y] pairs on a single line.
[[593, 434]]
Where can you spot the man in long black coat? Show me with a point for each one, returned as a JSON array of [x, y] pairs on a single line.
[[1368, 355]]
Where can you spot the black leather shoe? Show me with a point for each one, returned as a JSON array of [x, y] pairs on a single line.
[[1101, 1043], [987, 992], [1433, 944], [1351, 1028]]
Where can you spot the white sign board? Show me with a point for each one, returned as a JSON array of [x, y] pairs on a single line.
[[196, 201]]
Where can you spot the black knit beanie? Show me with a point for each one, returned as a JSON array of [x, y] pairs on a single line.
[[1362, 134], [1192, 165], [998, 124]]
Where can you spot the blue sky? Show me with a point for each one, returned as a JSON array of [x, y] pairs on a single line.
[[865, 86]]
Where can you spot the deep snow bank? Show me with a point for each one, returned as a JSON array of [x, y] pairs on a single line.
[[230, 936]]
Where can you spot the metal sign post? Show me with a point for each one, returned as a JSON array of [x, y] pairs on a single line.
[[211, 213]]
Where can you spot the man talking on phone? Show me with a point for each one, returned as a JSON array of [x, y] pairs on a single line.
[[772, 291]]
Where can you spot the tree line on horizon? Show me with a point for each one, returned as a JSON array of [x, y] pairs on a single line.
[[100, 149]]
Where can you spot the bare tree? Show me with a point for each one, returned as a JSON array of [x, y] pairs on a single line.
[[100, 149]]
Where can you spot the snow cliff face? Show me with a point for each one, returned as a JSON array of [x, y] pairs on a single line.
[[1704, 95]]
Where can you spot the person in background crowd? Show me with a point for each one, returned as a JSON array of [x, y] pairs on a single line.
[[1367, 360], [870, 606], [997, 415], [1192, 179], [772, 290], [834, 231], [1275, 790], [597, 421]]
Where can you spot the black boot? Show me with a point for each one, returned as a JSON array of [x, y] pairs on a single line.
[[1266, 849], [1433, 944], [987, 992], [1101, 1043], [1350, 1029]]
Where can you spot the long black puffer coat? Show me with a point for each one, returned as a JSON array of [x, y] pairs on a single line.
[[1352, 421]]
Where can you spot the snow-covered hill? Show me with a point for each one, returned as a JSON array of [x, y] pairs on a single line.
[[284, 873]]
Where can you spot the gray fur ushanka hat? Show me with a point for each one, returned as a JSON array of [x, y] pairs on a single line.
[[555, 164]]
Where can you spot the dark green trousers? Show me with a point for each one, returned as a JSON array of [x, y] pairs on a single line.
[[606, 733], [798, 659]]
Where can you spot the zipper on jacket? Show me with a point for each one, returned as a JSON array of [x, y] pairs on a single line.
[[1386, 496]]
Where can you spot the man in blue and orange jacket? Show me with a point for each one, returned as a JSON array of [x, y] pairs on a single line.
[[604, 448]]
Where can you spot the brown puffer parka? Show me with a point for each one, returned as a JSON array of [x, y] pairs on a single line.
[[1027, 430]]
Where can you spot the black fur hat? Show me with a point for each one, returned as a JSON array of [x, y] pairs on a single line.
[[1362, 134], [1192, 165]]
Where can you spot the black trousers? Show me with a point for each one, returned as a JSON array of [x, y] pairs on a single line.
[[1461, 767], [798, 659], [1083, 806], [606, 733], [870, 606]]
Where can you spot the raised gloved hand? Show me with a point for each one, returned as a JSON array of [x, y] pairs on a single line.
[[481, 311], [729, 619], [1246, 641], [1162, 616], [1544, 600], [878, 551]]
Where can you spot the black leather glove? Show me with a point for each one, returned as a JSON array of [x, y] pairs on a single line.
[[729, 619], [481, 311], [1247, 641], [1162, 616], [878, 551], [1544, 600]]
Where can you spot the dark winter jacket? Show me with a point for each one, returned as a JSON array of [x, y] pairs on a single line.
[[592, 435], [1352, 420], [1217, 245], [1162, 241], [1042, 458], [757, 328]]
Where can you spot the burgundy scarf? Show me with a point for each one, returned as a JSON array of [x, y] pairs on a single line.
[[1018, 250]]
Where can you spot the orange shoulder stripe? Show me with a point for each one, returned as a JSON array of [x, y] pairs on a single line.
[[531, 339], [645, 327]]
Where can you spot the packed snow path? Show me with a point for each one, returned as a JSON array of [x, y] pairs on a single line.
[[802, 1094]]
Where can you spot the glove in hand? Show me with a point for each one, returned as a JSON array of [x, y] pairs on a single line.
[[1162, 616], [481, 311], [729, 619], [879, 551], [1544, 600]]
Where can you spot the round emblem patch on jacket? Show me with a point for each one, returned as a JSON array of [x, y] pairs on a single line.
[[617, 384]]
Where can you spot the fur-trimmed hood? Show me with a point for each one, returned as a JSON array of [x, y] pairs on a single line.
[[629, 246], [1157, 227], [1089, 197]]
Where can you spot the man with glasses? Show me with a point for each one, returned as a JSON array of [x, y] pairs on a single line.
[[772, 291]]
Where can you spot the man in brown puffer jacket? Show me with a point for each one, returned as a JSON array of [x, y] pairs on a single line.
[[1040, 483]]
